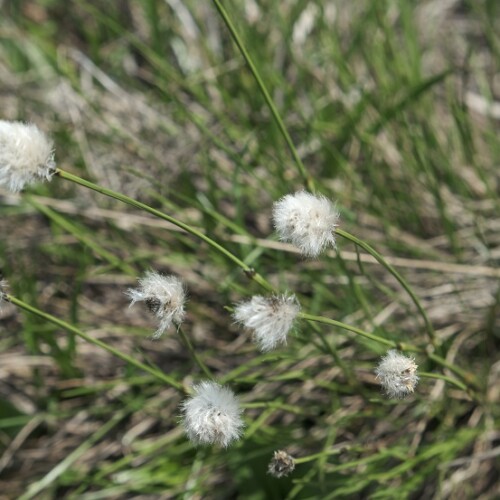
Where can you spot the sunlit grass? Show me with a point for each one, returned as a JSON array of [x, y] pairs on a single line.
[[365, 101]]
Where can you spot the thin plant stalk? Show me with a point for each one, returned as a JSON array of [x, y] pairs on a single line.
[[308, 181], [358, 331], [439, 376], [99, 343], [468, 377], [365, 246], [250, 272], [402, 346]]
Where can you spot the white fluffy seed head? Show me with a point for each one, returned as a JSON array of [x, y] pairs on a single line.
[[281, 464], [212, 415], [165, 297], [397, 374], [307, 221], [26, 155], [270, 318]]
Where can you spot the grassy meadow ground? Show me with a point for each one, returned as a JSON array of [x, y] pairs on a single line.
[[394, 110]]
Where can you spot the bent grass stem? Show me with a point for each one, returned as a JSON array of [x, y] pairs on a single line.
[[467, 377], [439, 376], [99, 343], [365, 246], [308, 181], [157, 213]]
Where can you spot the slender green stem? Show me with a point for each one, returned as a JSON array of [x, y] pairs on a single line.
[[193, 353], [277, 405], [157, 213], [365, 246], [445, 378], [467, 377], [308, 181], [358, 331], [70, 328]]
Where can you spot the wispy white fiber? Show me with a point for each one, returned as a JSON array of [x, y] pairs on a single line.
[[281, 465], [307, 221], [397, 374], [270, 318], [165, 297], [26, 155], [212, 415]]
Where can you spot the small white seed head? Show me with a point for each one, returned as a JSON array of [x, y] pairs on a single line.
[[397, 374], [307, 221], [281, 465], [212, 415], [270, 318], [165, 297], [26, 155]]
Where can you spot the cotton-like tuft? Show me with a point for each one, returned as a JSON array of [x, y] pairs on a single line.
[[281, 465], [307, 221], [397, 374], [212, 415], [26, 155], [165, 297], [270, 318]]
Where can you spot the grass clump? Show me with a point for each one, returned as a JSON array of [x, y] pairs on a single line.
[[176, 126]]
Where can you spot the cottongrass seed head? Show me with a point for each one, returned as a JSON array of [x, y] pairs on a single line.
[[281, 465], [270, 318], [165, 297], [26, 155], [307, 221], [397, 374], [212, 415]]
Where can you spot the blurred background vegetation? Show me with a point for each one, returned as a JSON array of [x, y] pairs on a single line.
[[394, 107]]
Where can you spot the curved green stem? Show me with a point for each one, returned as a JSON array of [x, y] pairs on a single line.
[[365, 246], [308, 181], [191, 230], [467, 377], [445, 378], [99, 343], [275, 405], [381, 340]]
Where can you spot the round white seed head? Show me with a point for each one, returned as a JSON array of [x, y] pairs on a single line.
[[281, 465], [307, 221], [212, 415], [165, 297], [26, 155], [397, 374], [270, 318]]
